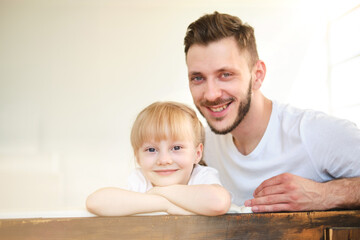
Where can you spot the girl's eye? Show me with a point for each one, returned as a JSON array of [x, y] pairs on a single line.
[[176, 148], [151, 149]]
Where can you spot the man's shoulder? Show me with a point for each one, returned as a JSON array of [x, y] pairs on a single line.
[[287, 110], [288, 113], [310, 121]]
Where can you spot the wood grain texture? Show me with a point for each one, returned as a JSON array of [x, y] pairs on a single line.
[[294, 225], [342, 233]]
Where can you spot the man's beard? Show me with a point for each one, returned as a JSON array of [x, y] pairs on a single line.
[[242, 111]]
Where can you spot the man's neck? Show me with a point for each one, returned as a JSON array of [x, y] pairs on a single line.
[[251, 130]]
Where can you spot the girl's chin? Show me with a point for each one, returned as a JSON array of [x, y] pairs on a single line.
[[166, 183]]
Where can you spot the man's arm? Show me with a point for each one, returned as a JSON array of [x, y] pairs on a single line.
[[204, 199], [288, 192], [120, 202]]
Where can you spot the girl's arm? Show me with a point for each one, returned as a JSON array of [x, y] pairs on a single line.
[[121, 202], [204, 199]]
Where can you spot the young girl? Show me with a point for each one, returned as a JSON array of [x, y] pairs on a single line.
[[167, 139]]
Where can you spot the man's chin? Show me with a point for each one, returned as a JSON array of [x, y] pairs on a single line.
[[215, 124], [218, 130]]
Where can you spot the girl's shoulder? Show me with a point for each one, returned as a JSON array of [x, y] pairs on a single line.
[[204, 175]]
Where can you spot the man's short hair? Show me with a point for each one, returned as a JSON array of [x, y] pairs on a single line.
[[214, 27]]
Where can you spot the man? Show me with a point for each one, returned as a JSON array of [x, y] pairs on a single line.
[[271, 157]]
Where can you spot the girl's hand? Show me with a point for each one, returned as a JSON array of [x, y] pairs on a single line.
[[171, 208]]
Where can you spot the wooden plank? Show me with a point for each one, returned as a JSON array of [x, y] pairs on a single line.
[[298, 225], [342, 233]]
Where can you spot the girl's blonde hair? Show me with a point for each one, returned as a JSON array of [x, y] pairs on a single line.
[[163, 120]]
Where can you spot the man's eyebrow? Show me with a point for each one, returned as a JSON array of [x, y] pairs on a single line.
[[194, 73], [223, 69]]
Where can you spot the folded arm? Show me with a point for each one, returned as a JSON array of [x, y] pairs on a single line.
[[204, 199], [120, 202], [288, 192]]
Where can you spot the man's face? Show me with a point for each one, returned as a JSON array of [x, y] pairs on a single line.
[[220, 83]]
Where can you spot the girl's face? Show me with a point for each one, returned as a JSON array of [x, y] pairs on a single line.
[[168, 162]]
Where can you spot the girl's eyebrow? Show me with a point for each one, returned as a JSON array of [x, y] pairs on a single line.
[[147, 144]]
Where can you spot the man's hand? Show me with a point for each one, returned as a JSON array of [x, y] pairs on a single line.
[[288, 192]]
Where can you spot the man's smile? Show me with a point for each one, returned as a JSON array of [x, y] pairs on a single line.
[[219, 108]]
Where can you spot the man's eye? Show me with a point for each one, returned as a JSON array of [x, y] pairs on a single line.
[[197, 78], [176, 148], [226, 74]]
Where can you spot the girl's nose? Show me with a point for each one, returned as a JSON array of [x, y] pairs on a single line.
[[164, 159]]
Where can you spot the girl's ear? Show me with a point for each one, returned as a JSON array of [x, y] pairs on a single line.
[[136, 155], [199, 153]]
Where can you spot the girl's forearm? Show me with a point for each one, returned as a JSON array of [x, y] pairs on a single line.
[[204, 199], [120, 202]]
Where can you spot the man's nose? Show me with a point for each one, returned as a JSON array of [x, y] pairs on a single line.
[[164, 159], [212, 90]]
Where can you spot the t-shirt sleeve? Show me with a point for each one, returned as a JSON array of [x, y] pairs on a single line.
[[204, 175], [333, 145], [137, 182]]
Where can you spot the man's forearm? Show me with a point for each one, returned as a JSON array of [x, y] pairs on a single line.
[[288, 192], [342, 193]]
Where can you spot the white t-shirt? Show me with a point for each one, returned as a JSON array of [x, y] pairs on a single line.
[[306, 143], [200, 175]]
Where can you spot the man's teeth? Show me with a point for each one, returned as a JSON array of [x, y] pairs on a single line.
[[219, 109]]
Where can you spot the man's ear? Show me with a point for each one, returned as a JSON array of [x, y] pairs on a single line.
[[259, 72], [199, 153]]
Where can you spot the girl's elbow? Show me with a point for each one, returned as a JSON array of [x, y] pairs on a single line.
[[221, 205], [224, 205], [97, 202], [96, 205], [91, 205]]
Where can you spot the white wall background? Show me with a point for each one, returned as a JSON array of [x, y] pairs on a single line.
[[74, 74]]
